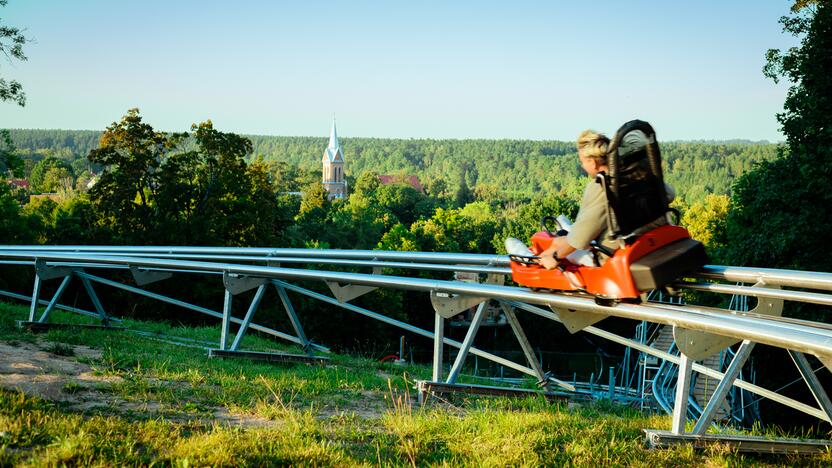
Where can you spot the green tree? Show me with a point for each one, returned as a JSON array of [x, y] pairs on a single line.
[[50, 174], [780, 216], [10, 162], [11, 46], [131, 153], [706, 222]]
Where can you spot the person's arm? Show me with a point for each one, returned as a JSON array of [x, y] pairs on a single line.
[[560, 248]]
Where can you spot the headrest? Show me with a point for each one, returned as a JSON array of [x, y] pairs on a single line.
[[633, 141]]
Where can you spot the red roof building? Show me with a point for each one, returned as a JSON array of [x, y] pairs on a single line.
[[19, 183], [412, 181]]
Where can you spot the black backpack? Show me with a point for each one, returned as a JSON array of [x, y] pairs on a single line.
[[635, 189]]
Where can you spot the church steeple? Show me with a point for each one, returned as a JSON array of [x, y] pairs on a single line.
[[333, 167], [333, 137]]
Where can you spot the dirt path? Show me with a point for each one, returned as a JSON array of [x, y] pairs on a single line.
[[28, 368]]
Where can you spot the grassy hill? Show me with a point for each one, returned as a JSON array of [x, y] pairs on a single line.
[[115, 398]]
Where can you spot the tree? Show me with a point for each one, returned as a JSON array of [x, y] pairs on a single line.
[[705, 220], [48, 174], [780, 216], [11, 46], [10, 162], [131, 152]]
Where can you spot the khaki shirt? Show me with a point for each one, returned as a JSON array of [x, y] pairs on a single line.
[[591, 223]]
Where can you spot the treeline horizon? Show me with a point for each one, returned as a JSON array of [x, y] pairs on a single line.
[[511, 168]]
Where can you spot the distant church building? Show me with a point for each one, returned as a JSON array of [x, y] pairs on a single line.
[[333, 170]]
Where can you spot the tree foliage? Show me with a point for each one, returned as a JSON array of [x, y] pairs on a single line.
[[11, 47], [780, 216]]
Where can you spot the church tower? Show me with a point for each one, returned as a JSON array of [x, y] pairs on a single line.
[[333, 170]]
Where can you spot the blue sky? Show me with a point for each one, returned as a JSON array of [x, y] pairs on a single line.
[[521, 69]]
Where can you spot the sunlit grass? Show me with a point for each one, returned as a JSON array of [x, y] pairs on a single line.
[[165, 400]]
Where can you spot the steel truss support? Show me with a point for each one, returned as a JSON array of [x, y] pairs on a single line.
[[406, 326], [438, 346], [105, 320], [756, 389], [528, 351], [258, 296], [721, 391], [226, 318], [54, 301], [680, 408], [33, 309], [293, 317], [466, 343], [195, 308], [812, 381]]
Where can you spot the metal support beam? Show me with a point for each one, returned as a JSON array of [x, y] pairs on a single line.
[[226, 319], [724, 386], [35, 298], [195, 308], [96, 302], [143, 277], [258, 296], [755, 389], [528, 351], [467, 342], [382, 318], [238, 284], [680, 408], [438, 344], [293, 317], [55, 299], [812, 381]]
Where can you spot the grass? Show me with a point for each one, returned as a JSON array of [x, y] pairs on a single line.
[[169, 405]]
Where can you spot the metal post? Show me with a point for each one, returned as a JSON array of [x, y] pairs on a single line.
[[528, 351], [226, 319], [258, 296], [723, 388], [95, 301], [55, 299], [293, 317], [680, 408], [438, 339], [35, 297], [467, 342], [611, 379], [812, 381]]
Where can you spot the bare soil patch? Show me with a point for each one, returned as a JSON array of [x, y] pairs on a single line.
[[28, 368]]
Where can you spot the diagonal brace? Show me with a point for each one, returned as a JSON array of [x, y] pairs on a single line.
[[812, 381], [258, 296]]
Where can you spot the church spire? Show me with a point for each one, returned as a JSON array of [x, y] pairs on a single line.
[[333, 137]]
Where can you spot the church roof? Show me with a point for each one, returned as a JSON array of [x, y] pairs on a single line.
[[333, 151]]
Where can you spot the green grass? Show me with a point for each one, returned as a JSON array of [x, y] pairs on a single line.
[[161, 406]]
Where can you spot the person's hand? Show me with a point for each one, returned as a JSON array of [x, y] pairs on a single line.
[[548, 261]]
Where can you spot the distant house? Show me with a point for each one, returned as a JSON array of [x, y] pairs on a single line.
[[411, 180], [19, 183]]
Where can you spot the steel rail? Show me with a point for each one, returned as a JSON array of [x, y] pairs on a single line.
[[756, 291], [801, 338], [788, 295], [770, 277], [425, 257]]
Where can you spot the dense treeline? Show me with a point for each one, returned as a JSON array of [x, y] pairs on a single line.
[[508, 169]]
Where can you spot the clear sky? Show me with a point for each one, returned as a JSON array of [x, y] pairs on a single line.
[[435, 69]]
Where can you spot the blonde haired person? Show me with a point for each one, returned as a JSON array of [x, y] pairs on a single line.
[[591, 222]]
